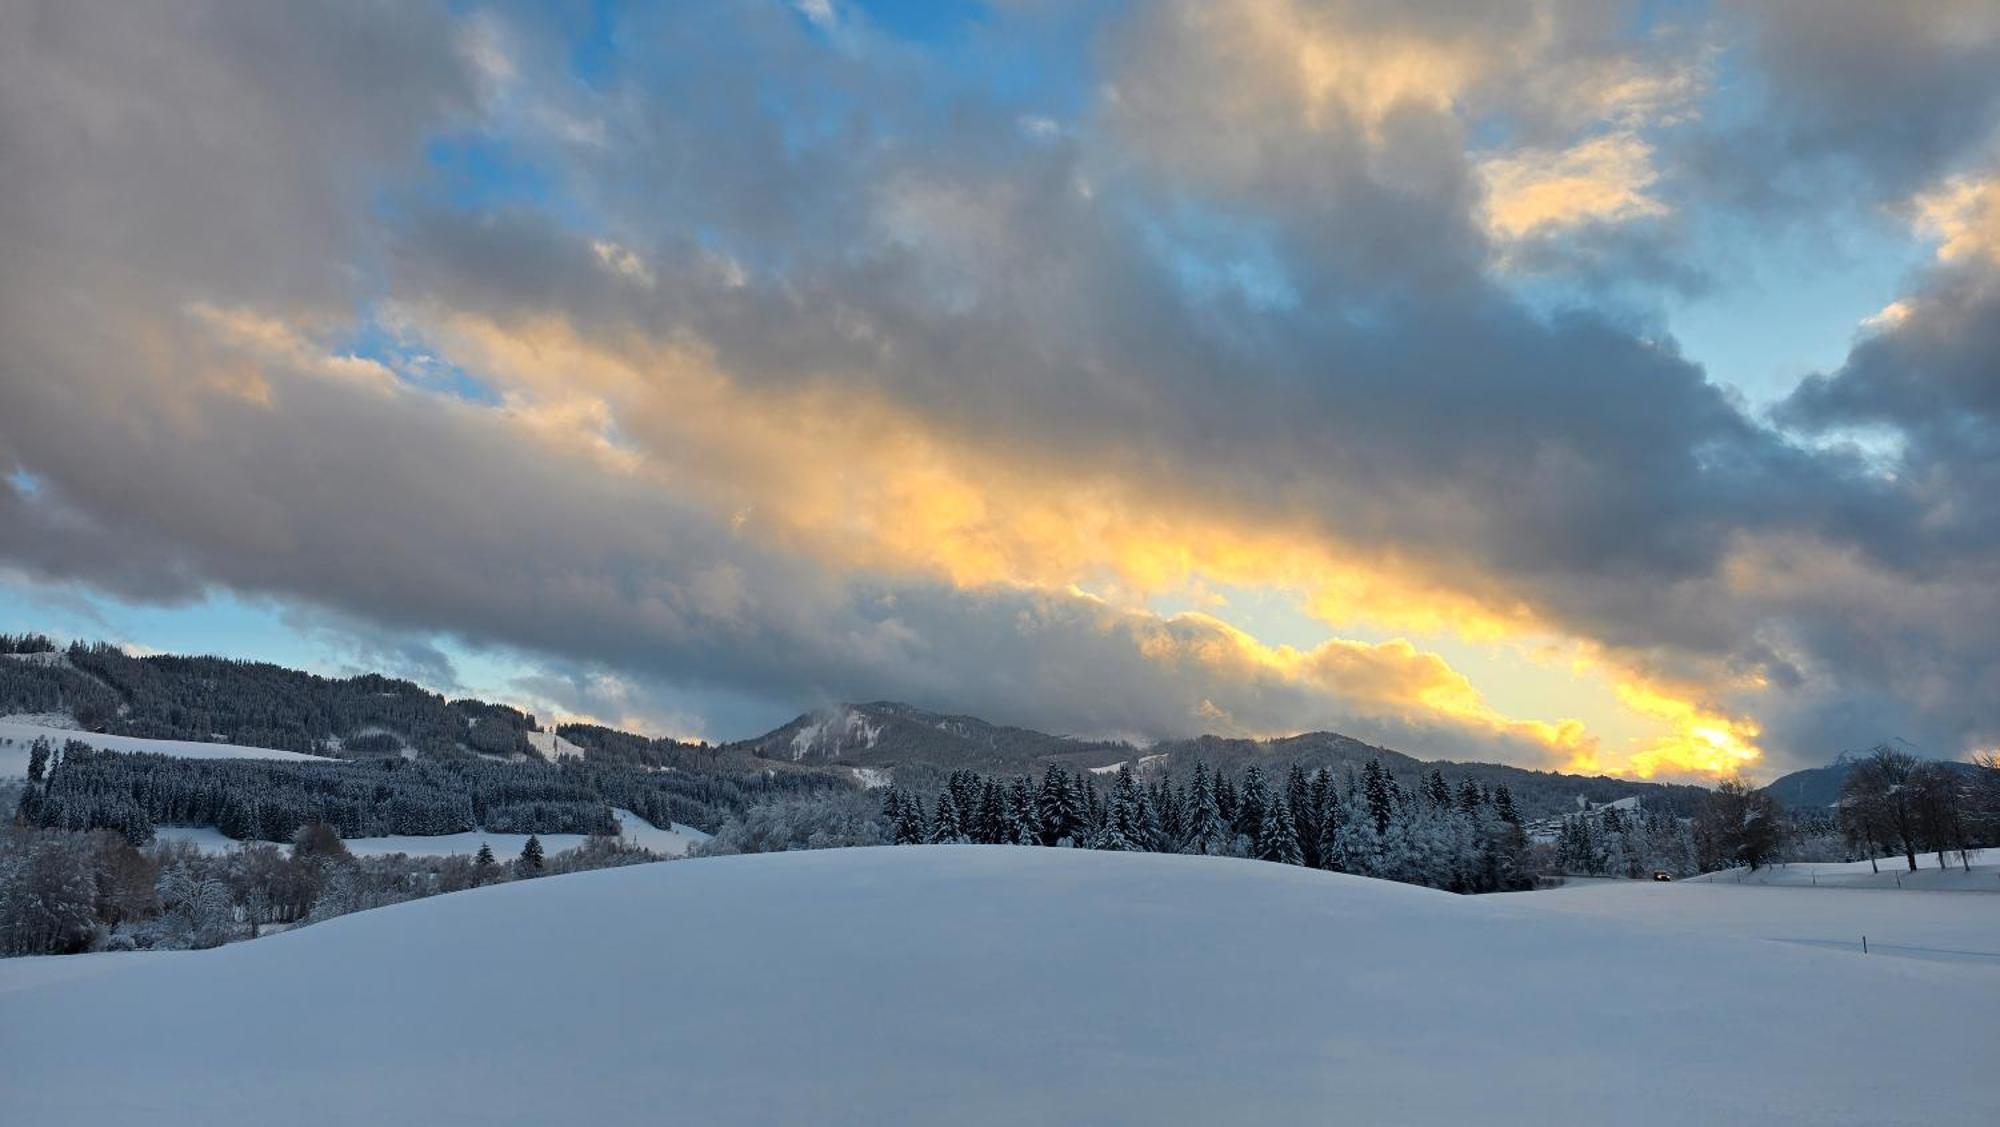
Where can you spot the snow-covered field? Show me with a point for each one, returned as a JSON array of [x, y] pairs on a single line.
[[1887, 872], [977, 985], [673, 842], [1944, 926], [17, 736]]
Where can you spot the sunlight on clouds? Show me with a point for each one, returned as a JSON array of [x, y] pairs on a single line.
[[868, 485], [1601, 180], [1964, 215], [1701, 740], [1335, 63]]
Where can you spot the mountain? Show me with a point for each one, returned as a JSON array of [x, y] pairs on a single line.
[[1817, 788], [996, 985], [212, 699], [888, 734]]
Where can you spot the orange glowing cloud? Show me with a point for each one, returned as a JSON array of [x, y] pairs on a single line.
[[866, 484]]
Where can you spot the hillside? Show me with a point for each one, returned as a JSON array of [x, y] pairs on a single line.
[[995, 985], [1817, 788], [253, 704], [920, 747]]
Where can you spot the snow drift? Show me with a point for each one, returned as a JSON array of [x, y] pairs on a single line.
[[974, 985]]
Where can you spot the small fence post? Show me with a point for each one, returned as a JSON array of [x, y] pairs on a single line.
[[1864, 945]]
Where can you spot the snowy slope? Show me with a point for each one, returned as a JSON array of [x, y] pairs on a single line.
[[1948, 926], [17, 736], [989, 985], [553, 747], [673, 842], [1886, 872]]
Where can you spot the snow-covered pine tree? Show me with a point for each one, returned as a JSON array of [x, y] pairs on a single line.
[[1436, 790], [1205, 830], [1253, 800], [1056, 803], [1377, 787], [1277, 839], [912, 826], [530, 862], [946, 825], [1469, 798], [1024, 819]]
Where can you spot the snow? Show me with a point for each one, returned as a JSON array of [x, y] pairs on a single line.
[[553, 747], [831, 733], [22, 733], [995, 985], [1894, 872], [872, 778], [1950, 926], [674, 842]]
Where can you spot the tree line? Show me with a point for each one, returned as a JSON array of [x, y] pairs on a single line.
[[65, 891], [81, 788], [1464, 838], [1892, 802]]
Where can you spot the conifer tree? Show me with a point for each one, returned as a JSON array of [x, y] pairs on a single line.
[[1276, 838], [912, 827], [1503, 805], [1056, 803], [530, 862], [1252, 801], [992, 828], [1437, 790], [1024, 819], [1332, 841], [1204, 830], [1376, 786], [1469, 798], [946, 826]]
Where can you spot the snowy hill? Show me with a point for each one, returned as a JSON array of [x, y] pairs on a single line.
[[674, 841], [1983, 875], [978, 985], [17, 737]]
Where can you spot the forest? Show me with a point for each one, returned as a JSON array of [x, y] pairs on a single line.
[[77, 787]]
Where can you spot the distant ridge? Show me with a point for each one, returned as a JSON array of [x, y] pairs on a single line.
[[218, 700]]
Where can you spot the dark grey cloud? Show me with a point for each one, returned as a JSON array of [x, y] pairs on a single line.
[[1294, 323]]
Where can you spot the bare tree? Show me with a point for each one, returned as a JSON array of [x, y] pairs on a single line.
[[1939, 800], [1880, 794]]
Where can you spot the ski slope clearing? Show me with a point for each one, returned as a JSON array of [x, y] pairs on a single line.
[[995, 985], [674, 842], [18, 736], [1940, 926]]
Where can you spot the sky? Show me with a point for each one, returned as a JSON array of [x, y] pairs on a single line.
[[1577, 385]]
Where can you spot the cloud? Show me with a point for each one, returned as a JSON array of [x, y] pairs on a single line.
[[806, 372], [1601, 180], [1964, 214]]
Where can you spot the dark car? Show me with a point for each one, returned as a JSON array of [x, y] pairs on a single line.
[[1662, 874]]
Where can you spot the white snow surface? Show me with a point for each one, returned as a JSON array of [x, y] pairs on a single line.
[[873, 778], [996, 985], [553, 747], [22, 734], [1936, 926], [674, 842], [1886, 872]]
